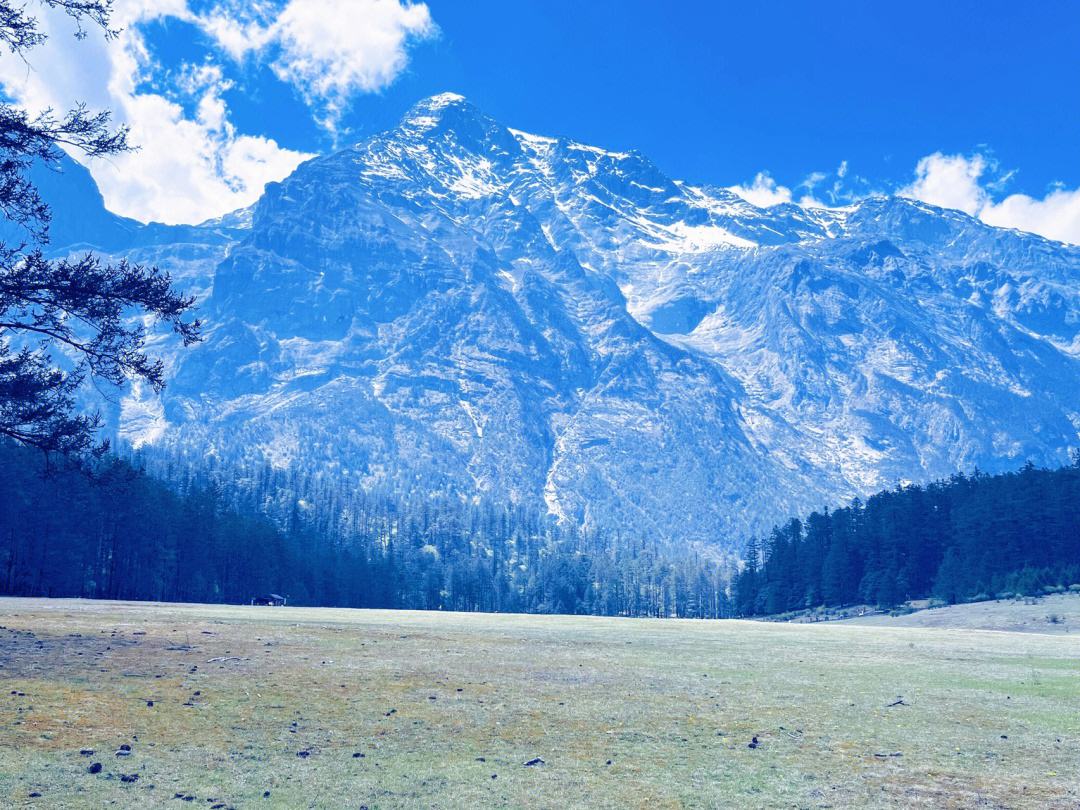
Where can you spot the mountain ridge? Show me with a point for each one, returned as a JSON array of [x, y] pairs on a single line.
[[454, 305]]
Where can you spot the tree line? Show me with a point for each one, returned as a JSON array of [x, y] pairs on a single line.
[[107, 529], [966, 538]]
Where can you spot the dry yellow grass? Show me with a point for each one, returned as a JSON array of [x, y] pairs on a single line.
[[1013, 615], [447, 708]]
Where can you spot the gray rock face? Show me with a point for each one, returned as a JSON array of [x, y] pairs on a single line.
[[454, 305]]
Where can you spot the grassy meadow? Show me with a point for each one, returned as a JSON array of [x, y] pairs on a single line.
[[240, 707]]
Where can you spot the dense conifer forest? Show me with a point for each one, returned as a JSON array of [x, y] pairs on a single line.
[[970, 537], [116, 532], [110, 529]]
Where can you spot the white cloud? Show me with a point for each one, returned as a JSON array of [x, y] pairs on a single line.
[[967, 183], [813, 179], [763, 192], [1055, 216], [238, 28], [187, 167], [329, 50], [949, 181], [192, 162]]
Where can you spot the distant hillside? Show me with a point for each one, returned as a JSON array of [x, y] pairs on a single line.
[[969, 537]]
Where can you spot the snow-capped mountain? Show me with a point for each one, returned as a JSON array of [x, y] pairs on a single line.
[[455, 305]]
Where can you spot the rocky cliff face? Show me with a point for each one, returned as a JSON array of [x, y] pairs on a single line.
[[454, 305]]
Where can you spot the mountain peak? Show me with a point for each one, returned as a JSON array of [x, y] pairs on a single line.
[[440, 100], [452, 117], [435, 108]]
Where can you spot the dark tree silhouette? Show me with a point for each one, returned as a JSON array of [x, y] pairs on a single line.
[[192, 534], [82, 307], [969, 537]]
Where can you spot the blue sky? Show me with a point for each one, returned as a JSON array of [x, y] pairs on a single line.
[[967, 104], [719, 91]]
